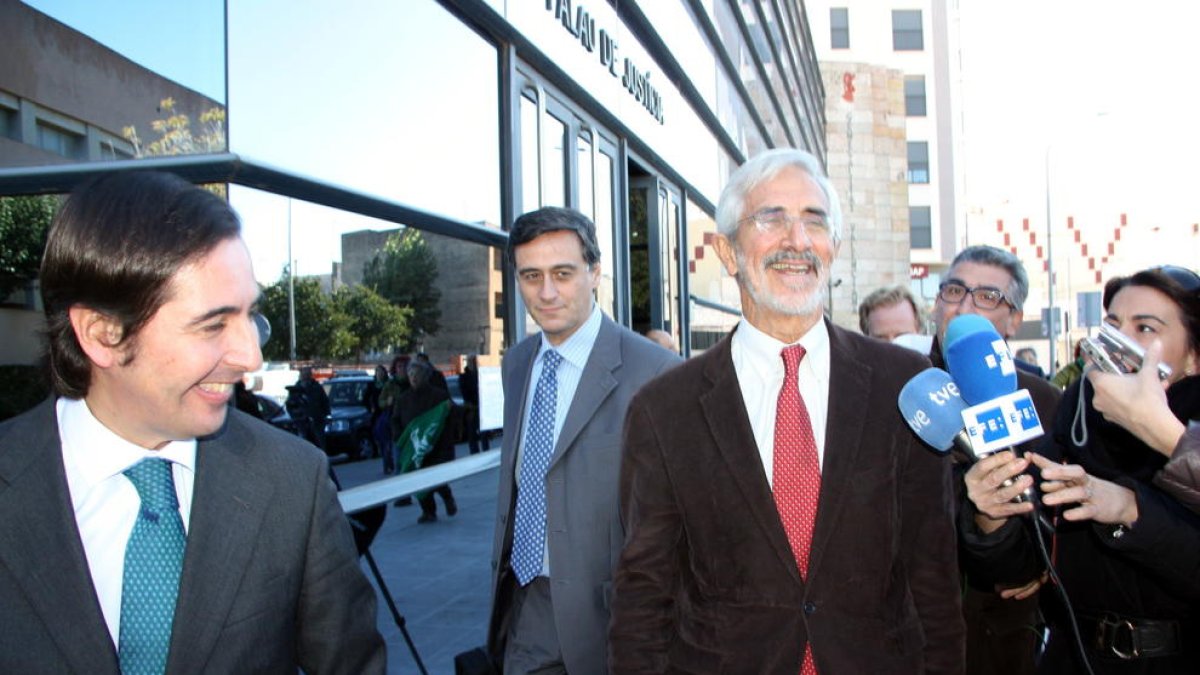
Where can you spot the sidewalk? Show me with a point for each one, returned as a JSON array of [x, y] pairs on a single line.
[[439, 573]]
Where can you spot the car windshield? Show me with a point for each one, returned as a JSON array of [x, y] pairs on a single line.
[[346, 393]]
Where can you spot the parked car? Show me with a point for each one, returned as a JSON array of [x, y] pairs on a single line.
[[349, 427], [275, 414]]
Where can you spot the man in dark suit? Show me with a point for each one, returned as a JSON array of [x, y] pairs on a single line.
[[1001, 615], [558, 529], [781, 518], [144, 525]]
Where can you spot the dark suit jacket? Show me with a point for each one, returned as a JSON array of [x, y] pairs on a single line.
[[270, 579], [707, 582], [583, 532]]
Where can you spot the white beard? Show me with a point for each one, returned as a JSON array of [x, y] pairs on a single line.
[[805, 305]]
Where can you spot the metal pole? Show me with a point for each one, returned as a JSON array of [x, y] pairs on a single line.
[[1050, 269], [291, 290]]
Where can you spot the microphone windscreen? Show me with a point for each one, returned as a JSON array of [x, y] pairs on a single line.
[[932, 408], [965, 324], [980, 364]]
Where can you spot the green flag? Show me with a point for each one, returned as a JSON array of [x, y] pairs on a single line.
[[418, 438]]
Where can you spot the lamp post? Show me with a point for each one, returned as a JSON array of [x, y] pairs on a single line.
[[1050, 261], [1052, 329]]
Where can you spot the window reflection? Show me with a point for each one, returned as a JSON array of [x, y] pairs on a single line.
[[92, 88], [554, 177], [583, 171], [531, 193], [346, 93], [717, 313], [606, 292], [353, 273]]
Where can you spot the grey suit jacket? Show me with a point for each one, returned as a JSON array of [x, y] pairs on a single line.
[[270, 583], [583, 525]]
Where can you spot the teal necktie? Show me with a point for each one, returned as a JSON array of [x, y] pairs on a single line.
[[153, 564]]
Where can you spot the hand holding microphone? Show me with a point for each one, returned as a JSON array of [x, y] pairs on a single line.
[[997, 485], [999, 417]]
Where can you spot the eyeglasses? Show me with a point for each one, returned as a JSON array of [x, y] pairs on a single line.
[[1189, 280], [985, 297], [778, 221]]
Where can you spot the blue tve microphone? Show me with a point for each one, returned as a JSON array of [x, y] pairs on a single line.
[[932, 407], [978, 359]]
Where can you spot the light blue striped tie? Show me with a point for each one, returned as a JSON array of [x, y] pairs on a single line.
[[153, 564], [529, 531]]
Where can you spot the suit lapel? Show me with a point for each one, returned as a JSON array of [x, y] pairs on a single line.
[[40, 544], [849, 399], [595, 386], [229, 504], [725, 413]]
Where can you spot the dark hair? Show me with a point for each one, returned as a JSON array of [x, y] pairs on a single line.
[[980, 254], [534, 224], [1179, 284], [114, 247]]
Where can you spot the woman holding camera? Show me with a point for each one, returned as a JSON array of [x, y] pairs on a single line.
[[1127, 553]]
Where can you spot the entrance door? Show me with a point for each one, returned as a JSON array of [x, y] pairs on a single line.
[[654, 260]]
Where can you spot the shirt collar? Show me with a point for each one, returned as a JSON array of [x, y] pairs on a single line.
[[577, 348], [93, 453], [762, 351]]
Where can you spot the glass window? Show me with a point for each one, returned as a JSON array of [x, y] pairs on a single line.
[[554, 175], [914, 95], [387, 120], [920, 227], [918, 162], [606, 292], [8, 122], [839, 28], [102, 83], [531, 193], [365, 288], [907, 34], [59, 141], [583, 168], [669, 261], [715, 311]]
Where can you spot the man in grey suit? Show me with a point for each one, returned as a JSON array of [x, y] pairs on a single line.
[[558, 531], [145, 525]]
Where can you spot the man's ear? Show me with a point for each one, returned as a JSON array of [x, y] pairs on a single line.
[[725, 253], [99, 335], [1014, 323]]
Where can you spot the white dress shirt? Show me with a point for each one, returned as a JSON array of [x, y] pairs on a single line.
[[105, 502], [575, 352], [758, 363]]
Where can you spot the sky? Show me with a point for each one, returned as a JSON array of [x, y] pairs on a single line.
[[1103, 88], [1106, 90]]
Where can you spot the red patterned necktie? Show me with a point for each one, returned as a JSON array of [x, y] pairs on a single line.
[[796, 471]]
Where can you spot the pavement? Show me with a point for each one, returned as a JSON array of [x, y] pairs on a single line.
[[439, 574]]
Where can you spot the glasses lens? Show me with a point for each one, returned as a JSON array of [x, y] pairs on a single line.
[[987, 298], [953, 293], [772, 221]]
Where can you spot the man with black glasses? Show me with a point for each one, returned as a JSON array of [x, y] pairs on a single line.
[[1001, 620]]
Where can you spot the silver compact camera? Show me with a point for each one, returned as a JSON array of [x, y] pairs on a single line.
[[1114, 352]]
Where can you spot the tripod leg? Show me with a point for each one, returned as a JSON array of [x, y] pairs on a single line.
[[396, 615]]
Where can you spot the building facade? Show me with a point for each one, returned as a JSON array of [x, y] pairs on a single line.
[[917, 40], [451, 117]]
